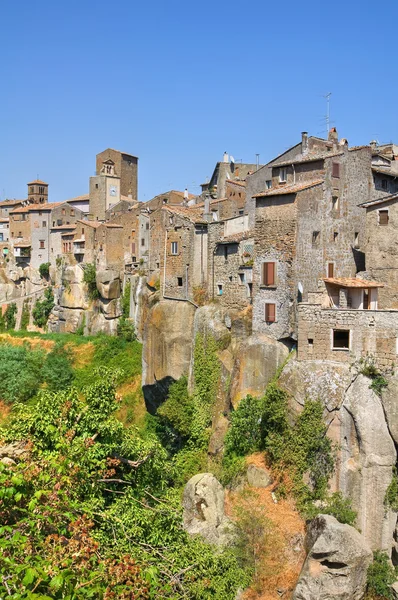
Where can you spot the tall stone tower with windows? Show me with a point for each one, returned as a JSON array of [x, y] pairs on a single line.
[[104, 191], [37, 192], [125, 166]]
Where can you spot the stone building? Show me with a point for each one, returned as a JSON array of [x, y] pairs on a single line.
[[230, 259], [308, 226], [95, 243], [63, 219], [226, 171], [121, 165], [178, 251], [8, 205], [38, 192], [381, 247], [170, 198]]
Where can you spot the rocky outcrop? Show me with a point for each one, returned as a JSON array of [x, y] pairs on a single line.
[[167, 346], [108, 284], [73, 293], [204, 514], [368, 456], [258, 476], [13, 453], [336, 564]]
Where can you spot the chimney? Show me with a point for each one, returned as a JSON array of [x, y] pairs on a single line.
[[304, 142], [207, 205], [225, 157], [373, 145], [333, 137], [186, 195]]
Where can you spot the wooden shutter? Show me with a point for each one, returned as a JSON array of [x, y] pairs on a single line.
[[335, 169], [383, 217], [133, 248], [270, 313], [269, 273], [330, 270]]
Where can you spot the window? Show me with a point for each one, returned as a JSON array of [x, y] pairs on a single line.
[[241, 212], [215, 215], [96, 186], [44, 223], [59, 222], [383, 217], [330, 270], [270, 312], [142, 241], [19, 233], [269, 273], [310, 341], [1, 237], [72, 213], [384, 184], [356, 239], [282, 175], [147, 226], [41, 244], [53, 223], [63, 211], [268, 184], [341, 339], [335, 236], [174, 248], [335, 203], [315, 238], [241, 278], [335, 170], [179, 281], [225, 251], [219, 289]]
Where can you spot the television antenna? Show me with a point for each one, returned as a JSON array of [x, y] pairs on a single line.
[[327, 97]]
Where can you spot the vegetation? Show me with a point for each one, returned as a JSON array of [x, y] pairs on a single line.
[[42, 308], [44, 270], [391, 498], [90, 279], [380, 576], [93, 510], [369, 369], [10, 316], [125, 326], [25, 316]]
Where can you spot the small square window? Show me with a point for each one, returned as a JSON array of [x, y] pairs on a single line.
[[282, 175], [315, 237], [72, 213], [341, 339], [268, 184], [44, 224], [142, 241], [41, 244], [335, 236], [241, 277], [335, 170], [219, 289], [179, 281], [310, 341]]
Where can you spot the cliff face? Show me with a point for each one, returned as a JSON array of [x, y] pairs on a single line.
[[363, 424]]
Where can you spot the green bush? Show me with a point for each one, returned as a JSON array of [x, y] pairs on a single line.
[[391, 498], [378, 384], [335, 505], [89, 278], [44, 270], [57, 369], [126, 300], [25, 316], [20, 372], [126, 329], [10, 316], [42, 308], [379, 578], [244, 434]]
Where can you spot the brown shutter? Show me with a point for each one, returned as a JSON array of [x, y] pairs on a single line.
[[270, 313], [133, 248], [269, 273], [335, 170], [383, 217], [330, 270]]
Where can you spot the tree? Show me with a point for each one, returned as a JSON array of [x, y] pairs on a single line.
[[90, 278], [44, 270], [42, 308]]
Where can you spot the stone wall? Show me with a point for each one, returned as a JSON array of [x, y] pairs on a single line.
[[372, 332], [126, 167]]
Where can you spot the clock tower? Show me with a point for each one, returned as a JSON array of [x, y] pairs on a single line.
[[104, 191]]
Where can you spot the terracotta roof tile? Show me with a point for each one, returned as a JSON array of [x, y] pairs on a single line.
[[303, 158], [237, 237], [10, 202], [70, 226], [379, 200], [353, 282], [191, 213], [386, 171], [37, 181], [289, 189]]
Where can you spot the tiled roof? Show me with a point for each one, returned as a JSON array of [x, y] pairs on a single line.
[[354, 148], [78, 198], [303, 158], [289, 189], [69, 226], [240, 183], [10, 202], [353, 282], [22, 245], [4, 220], [379, 200], [37, 181], [386, 171], [237, 237], [36, 207], [113, 225], [93, 224], [191, 213]]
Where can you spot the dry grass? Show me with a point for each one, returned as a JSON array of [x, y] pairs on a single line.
[[132, 410], [34, 343], [4, 411], [281, 565], [83, 354]]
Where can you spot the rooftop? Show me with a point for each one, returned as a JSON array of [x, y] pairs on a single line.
[[304, 158], [37, 181], [36, 207], [191, 213], [386, 171], [68, 226], [353, 282], [379, 200], [289, 189], [10, 202]]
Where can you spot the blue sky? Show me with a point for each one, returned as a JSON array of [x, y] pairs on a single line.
[[177, 83]]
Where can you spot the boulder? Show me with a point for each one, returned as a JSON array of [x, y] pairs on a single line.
[[336, 564], [210, 319], [108, 284], [203, 504], [394, 590], [367, 458], [73, 292], [257, 360], [258, 477], [111, 309], [12, 453], [390, 404]]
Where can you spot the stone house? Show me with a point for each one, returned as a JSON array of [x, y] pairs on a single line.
[[94, 242], [178, 251], [63, 219], [4, 229], [170, 198], [230, 258], [8, 205], [224, 172], [308, 226], [381, 247]]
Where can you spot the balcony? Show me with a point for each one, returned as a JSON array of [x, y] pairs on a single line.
[[79, 246], [22, 251]]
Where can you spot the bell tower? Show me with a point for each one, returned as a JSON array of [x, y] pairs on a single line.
[[38, 192]]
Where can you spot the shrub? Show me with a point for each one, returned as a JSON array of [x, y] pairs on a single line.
[[20, 372], [44, 270], [335, 505], [380, 576], [244, 434], [126, 329], [391, 497], [10, 316], [25, 317], [369, 369], [57, 369], [89, 278], [378, 384], [42, 308], [126, 300]]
